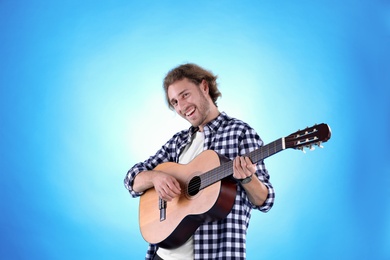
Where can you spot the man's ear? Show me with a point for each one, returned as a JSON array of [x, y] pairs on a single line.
[[204, 86]]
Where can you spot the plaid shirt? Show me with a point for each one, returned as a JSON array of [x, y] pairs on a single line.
[[226, 238]]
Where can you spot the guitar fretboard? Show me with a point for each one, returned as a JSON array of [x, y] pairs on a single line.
[[226, 168]]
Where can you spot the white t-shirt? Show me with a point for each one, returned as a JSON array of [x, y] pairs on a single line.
[[186, 251]]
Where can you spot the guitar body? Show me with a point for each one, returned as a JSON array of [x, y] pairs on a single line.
[[185, 213]]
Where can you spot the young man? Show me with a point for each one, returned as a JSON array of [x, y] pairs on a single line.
[[192, 91]]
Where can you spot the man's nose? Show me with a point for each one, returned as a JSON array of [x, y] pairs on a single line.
[[182, 104]]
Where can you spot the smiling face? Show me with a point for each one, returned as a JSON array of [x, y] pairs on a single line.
[[192, 102]]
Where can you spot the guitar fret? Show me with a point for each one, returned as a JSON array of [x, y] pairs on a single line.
[[226, 168]]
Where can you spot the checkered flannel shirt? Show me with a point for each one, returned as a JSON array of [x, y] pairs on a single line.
[[226, 238]]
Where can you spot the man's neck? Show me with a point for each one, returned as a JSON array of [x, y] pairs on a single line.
[[214, 113]]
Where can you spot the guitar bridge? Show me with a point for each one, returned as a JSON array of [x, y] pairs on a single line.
[[162, 206]]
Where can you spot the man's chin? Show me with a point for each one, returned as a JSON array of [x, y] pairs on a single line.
[[194, 123]]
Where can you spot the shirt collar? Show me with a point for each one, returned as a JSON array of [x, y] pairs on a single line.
[[213, 125]]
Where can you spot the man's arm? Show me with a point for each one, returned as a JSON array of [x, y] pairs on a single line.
[[166, 186], [242, 168], [259, 190]]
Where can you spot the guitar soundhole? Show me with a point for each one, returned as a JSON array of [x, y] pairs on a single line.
[[193, 186]]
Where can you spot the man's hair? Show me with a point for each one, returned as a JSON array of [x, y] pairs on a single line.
[[195, 74]]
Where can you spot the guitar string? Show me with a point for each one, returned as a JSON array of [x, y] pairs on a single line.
[[225, 169], [257, 155], [210, 177]]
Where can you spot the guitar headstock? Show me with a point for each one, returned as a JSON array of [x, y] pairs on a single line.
[[308, 137]]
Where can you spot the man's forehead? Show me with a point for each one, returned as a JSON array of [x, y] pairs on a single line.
[[179, 86]]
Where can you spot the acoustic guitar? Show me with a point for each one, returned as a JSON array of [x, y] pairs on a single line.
[[208, 192]]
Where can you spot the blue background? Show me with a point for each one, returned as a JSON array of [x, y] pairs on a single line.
[[81, 102]]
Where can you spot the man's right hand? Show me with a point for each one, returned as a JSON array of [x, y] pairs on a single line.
[[166, 186]]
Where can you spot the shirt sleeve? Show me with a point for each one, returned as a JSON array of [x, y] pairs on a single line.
[[250, 142], [162, 155]]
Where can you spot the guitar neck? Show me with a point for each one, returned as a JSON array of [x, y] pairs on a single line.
[[226, 169], [267, 150]]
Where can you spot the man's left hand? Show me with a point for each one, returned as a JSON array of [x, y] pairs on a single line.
[[243, 167]]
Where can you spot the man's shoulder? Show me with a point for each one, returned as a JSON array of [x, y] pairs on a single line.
[[181, 136]]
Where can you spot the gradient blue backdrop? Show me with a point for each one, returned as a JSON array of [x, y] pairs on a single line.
[[81, 102]]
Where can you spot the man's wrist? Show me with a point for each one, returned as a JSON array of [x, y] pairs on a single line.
[[245, 180]]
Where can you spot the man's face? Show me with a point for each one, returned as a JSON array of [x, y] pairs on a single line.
[[190, 101]]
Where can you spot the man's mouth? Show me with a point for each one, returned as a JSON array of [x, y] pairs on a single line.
[[190, 112]]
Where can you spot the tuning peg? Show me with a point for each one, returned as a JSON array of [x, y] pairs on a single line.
[[312, 148], [302, 149], [319, 145]]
